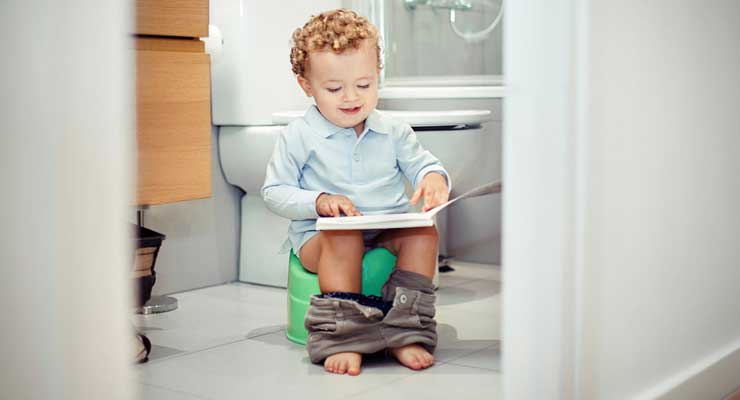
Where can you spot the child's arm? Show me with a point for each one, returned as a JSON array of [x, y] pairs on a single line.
[[416, 163], [281, 191]]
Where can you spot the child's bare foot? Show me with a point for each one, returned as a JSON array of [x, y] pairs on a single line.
[[341, 363], [413, 356]]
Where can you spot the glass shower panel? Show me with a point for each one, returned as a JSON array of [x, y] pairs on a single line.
[[441, 42]]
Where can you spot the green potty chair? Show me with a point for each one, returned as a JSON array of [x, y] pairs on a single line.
[[377, 265]]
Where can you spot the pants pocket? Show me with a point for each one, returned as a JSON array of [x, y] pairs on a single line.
[[402, 318], [411, 309], [321, 319]]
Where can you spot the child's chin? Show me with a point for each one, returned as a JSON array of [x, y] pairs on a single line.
[[351, 121]]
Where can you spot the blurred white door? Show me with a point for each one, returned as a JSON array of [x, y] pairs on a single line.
[[67, 139], [620, 263]]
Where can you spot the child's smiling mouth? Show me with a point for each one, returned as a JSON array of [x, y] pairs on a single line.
[[351, 111]]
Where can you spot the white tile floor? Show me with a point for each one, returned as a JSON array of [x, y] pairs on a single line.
[[228, 342]]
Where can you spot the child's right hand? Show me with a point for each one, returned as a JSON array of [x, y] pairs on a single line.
[[334, 205]]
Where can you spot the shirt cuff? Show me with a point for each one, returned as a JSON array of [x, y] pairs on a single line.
[[434, 168], [306, 200]]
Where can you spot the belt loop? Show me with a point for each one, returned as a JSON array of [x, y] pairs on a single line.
[[415, 304], [338, 309]]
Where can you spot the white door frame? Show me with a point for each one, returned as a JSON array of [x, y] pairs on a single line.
[[544, 187]]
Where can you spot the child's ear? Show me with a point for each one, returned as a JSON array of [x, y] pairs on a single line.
[[305, 85]]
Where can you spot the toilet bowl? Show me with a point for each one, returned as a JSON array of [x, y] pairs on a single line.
[[455, 137]]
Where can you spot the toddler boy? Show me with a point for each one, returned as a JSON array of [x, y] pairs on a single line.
[[344, 158]]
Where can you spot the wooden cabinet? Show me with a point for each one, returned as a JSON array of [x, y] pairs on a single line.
[[186, 18], [173, 102]]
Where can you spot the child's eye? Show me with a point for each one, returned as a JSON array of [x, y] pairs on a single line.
[[333, 90], [363, 86]]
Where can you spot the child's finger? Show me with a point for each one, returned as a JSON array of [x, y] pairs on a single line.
[[326, 209], [435, 199], [428, 200], [354, 210], [417, 195], [349, 209], [440, 198]]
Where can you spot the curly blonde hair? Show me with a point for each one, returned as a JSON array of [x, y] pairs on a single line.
[[337, 30]]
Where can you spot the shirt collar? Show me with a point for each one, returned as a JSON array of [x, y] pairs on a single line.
[[325, 128], [377, 123], [322, 125]]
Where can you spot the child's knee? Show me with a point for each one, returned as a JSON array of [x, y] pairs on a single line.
[[343, 241], [424, 236]]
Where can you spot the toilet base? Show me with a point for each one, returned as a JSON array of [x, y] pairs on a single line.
[[261, 259]]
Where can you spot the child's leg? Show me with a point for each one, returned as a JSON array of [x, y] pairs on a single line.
[[340, 330], [415, 248], [409, 327], [336, 256]]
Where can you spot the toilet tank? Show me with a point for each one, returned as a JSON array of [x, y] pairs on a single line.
[[244, 152], [251, 73]]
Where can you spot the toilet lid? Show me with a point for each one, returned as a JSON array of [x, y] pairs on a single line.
[[441, 119]]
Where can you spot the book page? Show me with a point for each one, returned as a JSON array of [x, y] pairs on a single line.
[[493, 187], [406, 220]]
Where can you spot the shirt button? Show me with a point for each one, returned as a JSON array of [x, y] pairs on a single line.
[[357, 157], [403, 299]]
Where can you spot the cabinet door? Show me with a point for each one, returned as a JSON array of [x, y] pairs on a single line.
[[173, 126], [187, 18]]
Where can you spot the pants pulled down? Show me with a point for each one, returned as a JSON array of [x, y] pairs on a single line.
[[338, 325]]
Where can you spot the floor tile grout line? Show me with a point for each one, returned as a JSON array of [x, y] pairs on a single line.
[[187, 353], [197, 396], [466, 281], [282, 329], [375, 387], [195, 289], [409, 376], [469, 353], [453, 361], [474, 367]]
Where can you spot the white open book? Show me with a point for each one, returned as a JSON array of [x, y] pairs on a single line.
[[407, 220]]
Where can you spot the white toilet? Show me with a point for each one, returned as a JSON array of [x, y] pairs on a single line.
[[249, 98]]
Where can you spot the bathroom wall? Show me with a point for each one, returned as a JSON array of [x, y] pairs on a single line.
[[202, 245], [661, 288], [621, 208], [422, 43]]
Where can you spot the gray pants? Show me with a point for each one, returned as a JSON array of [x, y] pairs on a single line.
[[337, 325]]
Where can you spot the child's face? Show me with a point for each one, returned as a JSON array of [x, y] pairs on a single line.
[[344, 86]]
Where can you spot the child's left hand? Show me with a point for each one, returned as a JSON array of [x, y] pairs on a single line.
[[434, 189]]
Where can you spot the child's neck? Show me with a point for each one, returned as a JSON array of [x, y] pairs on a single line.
[[359, 128]]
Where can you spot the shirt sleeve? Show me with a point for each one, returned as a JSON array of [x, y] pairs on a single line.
[[281, 191], [415, 162]]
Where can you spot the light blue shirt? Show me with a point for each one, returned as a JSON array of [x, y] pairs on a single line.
[[314, 156]]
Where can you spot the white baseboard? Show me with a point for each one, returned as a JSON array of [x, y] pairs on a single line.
[[713, 377]]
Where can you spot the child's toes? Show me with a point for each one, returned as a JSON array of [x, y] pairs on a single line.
[[342, 367], [329, 366], [428, 360]]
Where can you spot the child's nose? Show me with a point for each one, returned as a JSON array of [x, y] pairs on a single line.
[[350, 94]]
